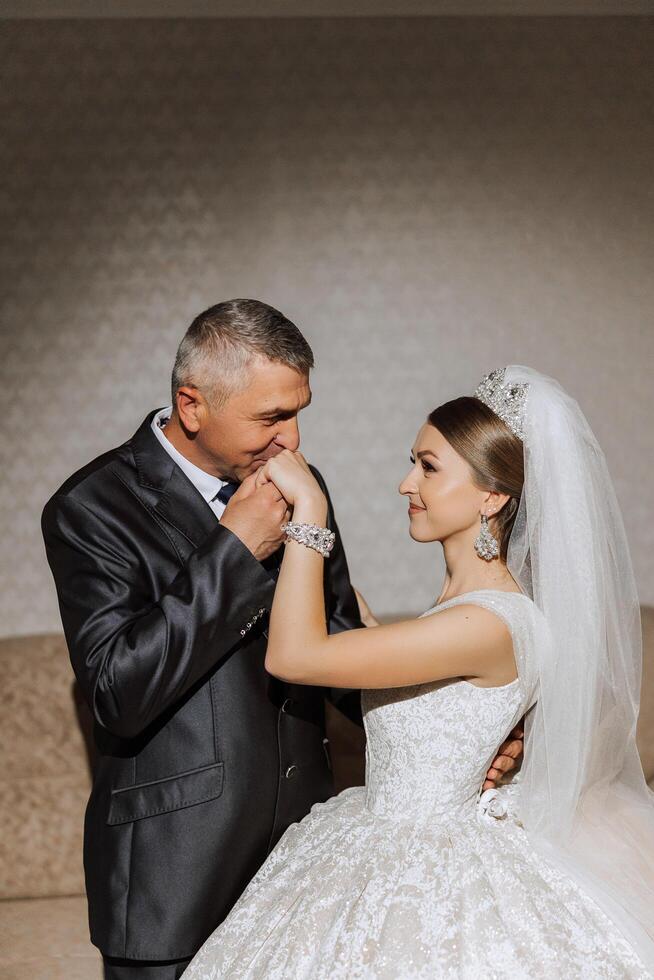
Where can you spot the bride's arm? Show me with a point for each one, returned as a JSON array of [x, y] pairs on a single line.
[[463, 641]]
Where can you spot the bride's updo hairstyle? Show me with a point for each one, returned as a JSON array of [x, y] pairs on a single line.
[[491, 450]]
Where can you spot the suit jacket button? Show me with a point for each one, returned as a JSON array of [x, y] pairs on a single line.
[[291, 772]]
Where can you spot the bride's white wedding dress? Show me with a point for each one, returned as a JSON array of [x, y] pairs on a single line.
[[413, 876]]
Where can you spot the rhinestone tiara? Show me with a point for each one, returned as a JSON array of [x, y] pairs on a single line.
[[509, 401]]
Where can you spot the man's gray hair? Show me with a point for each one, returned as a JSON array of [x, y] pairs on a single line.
[[221, 342]]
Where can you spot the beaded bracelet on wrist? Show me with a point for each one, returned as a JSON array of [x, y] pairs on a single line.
[[320, 539]]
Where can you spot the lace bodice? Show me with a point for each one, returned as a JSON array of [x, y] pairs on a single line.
[[429, 746]]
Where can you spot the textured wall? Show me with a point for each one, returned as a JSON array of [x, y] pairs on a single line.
[[427, 199]]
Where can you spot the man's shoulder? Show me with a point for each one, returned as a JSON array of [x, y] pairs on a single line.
[[97, 479], [99, 469]]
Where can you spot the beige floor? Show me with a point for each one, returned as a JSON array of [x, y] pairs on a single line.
[[46, 939]]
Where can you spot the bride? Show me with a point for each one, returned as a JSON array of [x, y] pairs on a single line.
[[421, 873]]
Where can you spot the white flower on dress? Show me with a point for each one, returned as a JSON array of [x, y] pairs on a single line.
[[491, 806]]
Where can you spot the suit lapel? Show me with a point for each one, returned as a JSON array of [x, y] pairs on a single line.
[[177, 500], [185, 508]]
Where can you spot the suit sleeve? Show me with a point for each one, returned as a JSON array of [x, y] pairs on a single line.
[[134, 655], [342, 607]]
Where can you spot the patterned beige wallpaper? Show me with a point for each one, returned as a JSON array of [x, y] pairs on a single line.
[[427, 199]]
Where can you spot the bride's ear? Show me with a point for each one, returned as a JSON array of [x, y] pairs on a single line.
[[493, 503]]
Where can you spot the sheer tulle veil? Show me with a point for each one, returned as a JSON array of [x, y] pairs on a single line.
[[582, 795]]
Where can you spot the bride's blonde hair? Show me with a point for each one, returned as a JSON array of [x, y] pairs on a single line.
[[491, 450]]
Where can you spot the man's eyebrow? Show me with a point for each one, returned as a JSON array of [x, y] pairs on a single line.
[[282, 412], [273, 413]]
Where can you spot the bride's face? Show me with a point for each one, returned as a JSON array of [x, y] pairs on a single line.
[[442, 497]]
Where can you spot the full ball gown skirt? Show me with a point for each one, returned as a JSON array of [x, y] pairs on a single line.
[[410, 877]]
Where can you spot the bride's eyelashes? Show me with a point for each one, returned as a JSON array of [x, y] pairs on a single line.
[[427, 467]]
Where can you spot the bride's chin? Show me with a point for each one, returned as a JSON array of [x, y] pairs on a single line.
[[417, 536]]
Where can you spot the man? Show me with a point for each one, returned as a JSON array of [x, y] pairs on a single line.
[[164, 556]]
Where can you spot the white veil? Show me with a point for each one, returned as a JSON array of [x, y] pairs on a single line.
[[582, 799]]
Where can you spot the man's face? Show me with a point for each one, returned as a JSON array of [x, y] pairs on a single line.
[[255, 424]]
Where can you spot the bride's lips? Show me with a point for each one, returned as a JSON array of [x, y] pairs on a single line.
[[414, 509]]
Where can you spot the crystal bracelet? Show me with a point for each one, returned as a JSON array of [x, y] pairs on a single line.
[[321, 539]]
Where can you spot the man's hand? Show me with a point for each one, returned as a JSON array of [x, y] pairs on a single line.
[[255, 515], [507, 756]]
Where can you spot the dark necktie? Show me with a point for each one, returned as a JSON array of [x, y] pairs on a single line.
[[226, 493]]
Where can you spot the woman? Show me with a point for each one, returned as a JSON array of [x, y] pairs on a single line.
[[420, 873]]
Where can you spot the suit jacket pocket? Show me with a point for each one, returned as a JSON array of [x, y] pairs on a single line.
[[163, 795]]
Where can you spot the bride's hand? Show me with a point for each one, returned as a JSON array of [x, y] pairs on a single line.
[[365, 614], [507, 757], [293, 478]]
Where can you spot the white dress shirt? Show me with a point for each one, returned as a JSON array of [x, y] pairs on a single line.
[[205, 483]]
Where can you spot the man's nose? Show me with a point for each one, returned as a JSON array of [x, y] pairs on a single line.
[[288, 435]]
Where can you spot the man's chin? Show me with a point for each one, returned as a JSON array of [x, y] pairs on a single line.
[[243, 472]]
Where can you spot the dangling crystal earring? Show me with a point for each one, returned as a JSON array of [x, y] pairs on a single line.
[[486, 546]]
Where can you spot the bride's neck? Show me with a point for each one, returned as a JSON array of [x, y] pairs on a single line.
[[466, 572]]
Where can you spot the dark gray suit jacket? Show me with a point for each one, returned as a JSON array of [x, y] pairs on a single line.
[[203, 759]]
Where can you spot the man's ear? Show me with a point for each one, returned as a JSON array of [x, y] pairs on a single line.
[[190, 407]]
